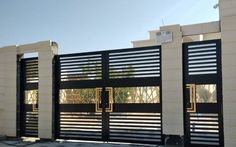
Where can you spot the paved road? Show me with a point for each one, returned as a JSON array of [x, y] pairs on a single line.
[[7, 143]]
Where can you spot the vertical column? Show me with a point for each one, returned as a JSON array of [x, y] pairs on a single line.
[[2, 89], [172, 83], [45, 92], [8, 85], [228, 32]]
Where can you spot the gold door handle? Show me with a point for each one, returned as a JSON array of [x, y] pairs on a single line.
[[35, 108], [98, 99], [110, 99], [192, 97]]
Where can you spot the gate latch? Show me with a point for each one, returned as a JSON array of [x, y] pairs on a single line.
[[99, 96]]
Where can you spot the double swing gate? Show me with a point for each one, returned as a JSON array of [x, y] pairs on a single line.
[[203, 94], [116, 95], [110, 95]]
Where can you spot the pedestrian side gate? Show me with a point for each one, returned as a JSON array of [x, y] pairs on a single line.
[[28, 97], [110, 95], [203, 94]]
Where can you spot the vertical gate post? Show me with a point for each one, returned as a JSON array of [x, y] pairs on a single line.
[[228, 33], [45, 60], [172, 83], [8, 82]]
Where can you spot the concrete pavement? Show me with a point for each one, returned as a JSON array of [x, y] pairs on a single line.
[[63, 143]]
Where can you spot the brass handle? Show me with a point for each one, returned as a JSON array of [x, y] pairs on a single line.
[[110, 99], [98, 99], [192, 97], [34, 108]]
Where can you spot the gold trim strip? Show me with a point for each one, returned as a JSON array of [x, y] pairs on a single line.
[[98, 98], [110, 108], [192, 97], [34, 108]]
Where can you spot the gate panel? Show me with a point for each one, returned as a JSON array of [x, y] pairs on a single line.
[[80, 75], [203, 94], [29, 97], [135, 76], [111, 95]]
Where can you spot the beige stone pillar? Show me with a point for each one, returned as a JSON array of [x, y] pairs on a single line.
[[172, 83], [2, 90], [228, 32], [45, 93], [8, 85]]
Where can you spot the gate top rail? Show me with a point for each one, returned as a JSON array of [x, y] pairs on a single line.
[[129, 63]]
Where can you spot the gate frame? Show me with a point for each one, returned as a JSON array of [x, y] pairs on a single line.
[[105, 78], [21, 88], [219, 88]]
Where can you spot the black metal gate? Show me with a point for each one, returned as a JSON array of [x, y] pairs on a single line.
[[28, 98], [203, 94], [110, 95]]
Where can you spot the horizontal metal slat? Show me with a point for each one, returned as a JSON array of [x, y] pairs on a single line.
[[96, 60], [125, 139], [81, 74], [134, 124], [157, 67], [135, 56], [72, 127], [197, 46], [206, 49], [202, 53], [157, 132], [204, 114], [203, 139], [199, 134], [134, 52], [151, 74], [78, 77], [80, 133], [202, 57], [81, 64], [158, 122], [142, 136], [80, 70], [135, 114], [135, 71], [135, 63], [112, 62], [77, 67]]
